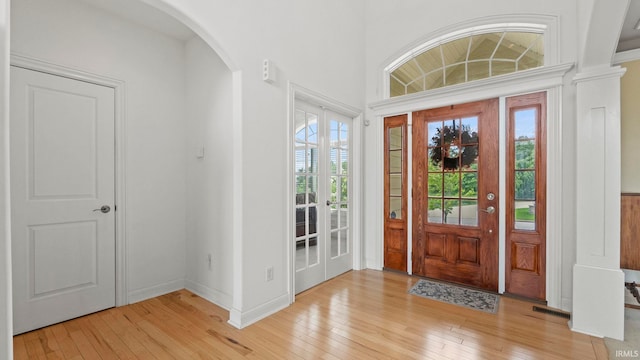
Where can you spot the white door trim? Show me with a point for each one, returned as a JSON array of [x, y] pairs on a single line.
[[118, 86], [295, 93]]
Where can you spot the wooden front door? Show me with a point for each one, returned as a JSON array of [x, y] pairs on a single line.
[[455, 193]]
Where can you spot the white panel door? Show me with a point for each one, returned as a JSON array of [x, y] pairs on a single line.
[[63, 194]]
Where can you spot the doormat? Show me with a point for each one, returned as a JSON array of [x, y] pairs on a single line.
[[457, 295]]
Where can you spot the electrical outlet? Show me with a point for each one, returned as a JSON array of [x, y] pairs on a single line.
[[269, 273], [209, 261]]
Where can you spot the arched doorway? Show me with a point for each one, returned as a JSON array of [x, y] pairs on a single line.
[[166, 138]]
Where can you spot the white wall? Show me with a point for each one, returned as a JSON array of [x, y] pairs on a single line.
[[394, 27], [70, 33], [6, 325], [316, 44], [209, 179], [630, 113]]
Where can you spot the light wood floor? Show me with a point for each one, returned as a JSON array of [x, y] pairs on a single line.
[[359, 315]]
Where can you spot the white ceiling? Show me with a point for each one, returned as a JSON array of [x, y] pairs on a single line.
[[630, 37], [141, 13], [145, 15]]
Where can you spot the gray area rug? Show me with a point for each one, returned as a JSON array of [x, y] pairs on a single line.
[[457, 295]]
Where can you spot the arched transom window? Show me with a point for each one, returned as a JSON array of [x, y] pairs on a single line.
[[466, 59]]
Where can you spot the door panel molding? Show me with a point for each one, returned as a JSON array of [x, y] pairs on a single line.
[[118, 86]]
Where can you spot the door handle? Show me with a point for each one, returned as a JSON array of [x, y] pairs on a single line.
[[489, 210], [104, 209]]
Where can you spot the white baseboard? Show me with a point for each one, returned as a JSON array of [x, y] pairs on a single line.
[[214, 296], [241, 319], [373, 264], [567, 304], [154, 291]]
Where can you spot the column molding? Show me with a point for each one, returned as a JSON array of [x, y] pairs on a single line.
[[598, 282]]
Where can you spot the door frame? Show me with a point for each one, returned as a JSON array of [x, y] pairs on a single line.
[[30, 63], [299, 93], [549, 79]]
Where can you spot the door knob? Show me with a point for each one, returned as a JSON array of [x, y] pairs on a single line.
[[104, 209], [489, 210]]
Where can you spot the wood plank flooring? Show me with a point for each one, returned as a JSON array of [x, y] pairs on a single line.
[[359, 315]]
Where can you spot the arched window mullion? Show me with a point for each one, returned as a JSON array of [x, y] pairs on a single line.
[[494, 53], [509, 49], [444, 67]]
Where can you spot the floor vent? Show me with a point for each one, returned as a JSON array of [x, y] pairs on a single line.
[[561, 314]]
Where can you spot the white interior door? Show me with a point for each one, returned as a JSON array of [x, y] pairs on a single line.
[[63, 194], [322, 180]]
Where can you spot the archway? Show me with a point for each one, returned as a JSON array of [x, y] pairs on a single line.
[[149, 150]]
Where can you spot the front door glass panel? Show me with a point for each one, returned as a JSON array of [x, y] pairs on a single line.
[[524, 146], [452, 171]]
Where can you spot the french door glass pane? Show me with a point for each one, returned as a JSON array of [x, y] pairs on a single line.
[[344, 162], [344, 241], [300, 126], [312, 128], [334, 244], [314, 253]]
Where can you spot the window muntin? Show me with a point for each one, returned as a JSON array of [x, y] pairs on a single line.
[[466, 59]]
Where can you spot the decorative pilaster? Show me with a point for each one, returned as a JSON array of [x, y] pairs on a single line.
[[598, 282]]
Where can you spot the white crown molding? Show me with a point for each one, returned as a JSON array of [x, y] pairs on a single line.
[[626, 56], [597, 73], [533, 79]]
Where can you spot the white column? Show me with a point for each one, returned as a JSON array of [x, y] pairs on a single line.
[[598, 282]]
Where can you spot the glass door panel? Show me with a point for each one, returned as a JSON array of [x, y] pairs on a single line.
[[307, 184], [339, 140]]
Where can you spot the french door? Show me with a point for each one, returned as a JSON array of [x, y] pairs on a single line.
[[322, 238], [456, 187]]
